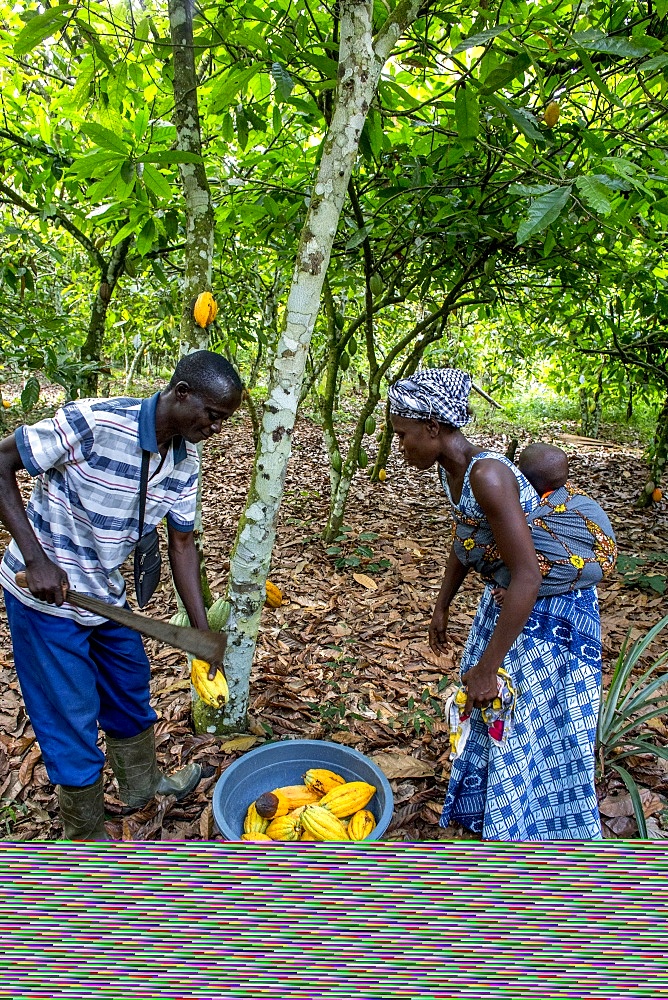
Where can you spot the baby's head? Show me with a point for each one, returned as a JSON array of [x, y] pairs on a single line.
[[545, 466]]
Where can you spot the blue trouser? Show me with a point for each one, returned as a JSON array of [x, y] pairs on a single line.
[[73, 677]]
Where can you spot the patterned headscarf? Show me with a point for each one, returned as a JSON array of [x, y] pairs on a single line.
[[441, 393]]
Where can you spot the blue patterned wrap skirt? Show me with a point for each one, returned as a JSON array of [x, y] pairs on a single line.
[[539, 783]]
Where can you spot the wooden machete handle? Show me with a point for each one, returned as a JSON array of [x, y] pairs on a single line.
[[21, 581]]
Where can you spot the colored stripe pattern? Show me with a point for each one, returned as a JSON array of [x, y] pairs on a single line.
[[84, 506]]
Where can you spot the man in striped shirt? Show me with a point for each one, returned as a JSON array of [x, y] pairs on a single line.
[[78, 670]]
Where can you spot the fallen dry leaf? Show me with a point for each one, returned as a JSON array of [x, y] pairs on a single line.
[[402, 765], [206, 824], [365, 581], [238, 743]]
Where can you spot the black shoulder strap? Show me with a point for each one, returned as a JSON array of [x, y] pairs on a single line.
[[143, 484]]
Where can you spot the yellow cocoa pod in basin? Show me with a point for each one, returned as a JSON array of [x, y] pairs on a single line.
[[254, 823], [307, 835], [255, 836], [273, 804], [323, 824], [297, 795], [348, 798], [321, 780], [285, 828], [361, 824]]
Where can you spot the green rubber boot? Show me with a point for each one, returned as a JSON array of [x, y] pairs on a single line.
[[139, 778], [82, 811]]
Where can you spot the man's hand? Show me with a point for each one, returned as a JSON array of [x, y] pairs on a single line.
[[438, 630], [213, 670], [481, 687], [47, 581]]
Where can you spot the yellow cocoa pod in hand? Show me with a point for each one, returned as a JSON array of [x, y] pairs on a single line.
[[348, 799], [285, 828], [215, 692], [323, 824], [361, 824], [320, 780]]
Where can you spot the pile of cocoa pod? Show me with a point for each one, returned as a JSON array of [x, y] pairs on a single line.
[[325, 808]]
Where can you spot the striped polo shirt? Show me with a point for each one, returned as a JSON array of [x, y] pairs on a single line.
[[84, 506]]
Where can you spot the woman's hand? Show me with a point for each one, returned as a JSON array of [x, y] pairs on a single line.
[[454, 576], [438, 630], [481, 687]]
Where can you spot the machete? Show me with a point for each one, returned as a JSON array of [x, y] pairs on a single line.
[[204, 645]]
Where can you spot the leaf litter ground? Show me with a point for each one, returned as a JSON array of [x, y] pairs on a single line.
[[346, 657]]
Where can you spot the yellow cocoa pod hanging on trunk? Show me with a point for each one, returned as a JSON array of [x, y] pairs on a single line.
[[205, 309], [215, 692]]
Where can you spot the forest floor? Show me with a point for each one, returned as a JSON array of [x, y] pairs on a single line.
[[345, 658]]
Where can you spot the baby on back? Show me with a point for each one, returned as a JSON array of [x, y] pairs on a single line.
[[545, 466], [574, 541]]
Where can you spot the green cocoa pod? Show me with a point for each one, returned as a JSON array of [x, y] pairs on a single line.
[[369, 425], [344, 362], [376, 284], [218, 614], [362, 459], [337, 464], [181, 619], [339, 320], [490, 266], [352, 347]]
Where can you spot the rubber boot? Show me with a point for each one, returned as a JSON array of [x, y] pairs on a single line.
[[139, 778], [82, 811]]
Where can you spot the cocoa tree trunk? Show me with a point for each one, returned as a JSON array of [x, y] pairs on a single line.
[[199, 247], [360, 63], [196, 192], [91, 350]]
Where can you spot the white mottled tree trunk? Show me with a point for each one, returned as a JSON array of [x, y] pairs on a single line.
[[360, 64]]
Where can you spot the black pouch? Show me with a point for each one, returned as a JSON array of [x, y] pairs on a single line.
[[147, 551], [147, 567]]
